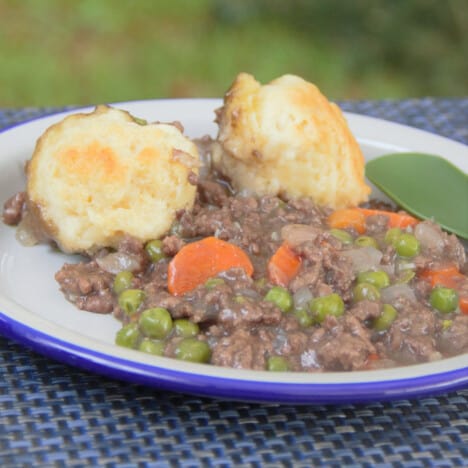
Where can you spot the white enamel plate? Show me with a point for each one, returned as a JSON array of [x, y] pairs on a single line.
[[34, 312]]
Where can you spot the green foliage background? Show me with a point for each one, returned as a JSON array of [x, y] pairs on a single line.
[[55, 52]]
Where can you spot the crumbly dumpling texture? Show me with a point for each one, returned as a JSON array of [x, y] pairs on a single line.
[[94, 178], [285, 138]]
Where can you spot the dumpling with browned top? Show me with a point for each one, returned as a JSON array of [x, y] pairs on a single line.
[[285, 138], [95, 178]]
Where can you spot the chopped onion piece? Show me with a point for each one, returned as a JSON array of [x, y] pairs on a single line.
[[295, 234], [389, 269], [247, 292], [118, 261], [430, 237], [25, 235], [364, 258], [275, 236], [302, 296], [309, 359], [280, 342], [395, 292]]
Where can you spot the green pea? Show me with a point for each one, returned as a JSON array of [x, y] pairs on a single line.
[[303, 317], [386, 318], [185, 328], [379, 278], [281, 297], [407, 245], [211, 283], [366, 241], [122, 281], [130, 300], [392, 235], [343, 236], [155, 322], [127, 336], [154, 250], [277, 364], [322, 306], [445, 300], [193, 350], [366, 291], [446, 324], [152, 347]]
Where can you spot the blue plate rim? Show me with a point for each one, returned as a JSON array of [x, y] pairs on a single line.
[[226, 388]]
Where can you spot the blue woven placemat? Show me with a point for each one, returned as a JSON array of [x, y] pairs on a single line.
[[55, 415]]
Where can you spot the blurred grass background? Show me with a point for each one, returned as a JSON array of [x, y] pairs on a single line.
[[56, 52]]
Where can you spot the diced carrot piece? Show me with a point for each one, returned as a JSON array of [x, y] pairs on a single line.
[[463, 303], [448, 276], [283, 266], [203, 259], [356, 218], [400, 220], [348, 218]]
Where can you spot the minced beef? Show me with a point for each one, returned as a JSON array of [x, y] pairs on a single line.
[[13, 209], [87, 286]]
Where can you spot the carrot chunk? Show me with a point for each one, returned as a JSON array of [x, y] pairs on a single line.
[[283, 266], [400, 220], [448, 276], [356, 218], [203, 259], [348, 218], [463, 303]]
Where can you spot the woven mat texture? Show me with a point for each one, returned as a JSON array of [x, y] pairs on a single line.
[[55, 415]]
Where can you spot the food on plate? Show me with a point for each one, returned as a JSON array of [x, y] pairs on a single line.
[[257, 282], [240, 276], [285, 138], [94, 178]]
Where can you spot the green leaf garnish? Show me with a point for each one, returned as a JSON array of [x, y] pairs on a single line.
[[425, 185]]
